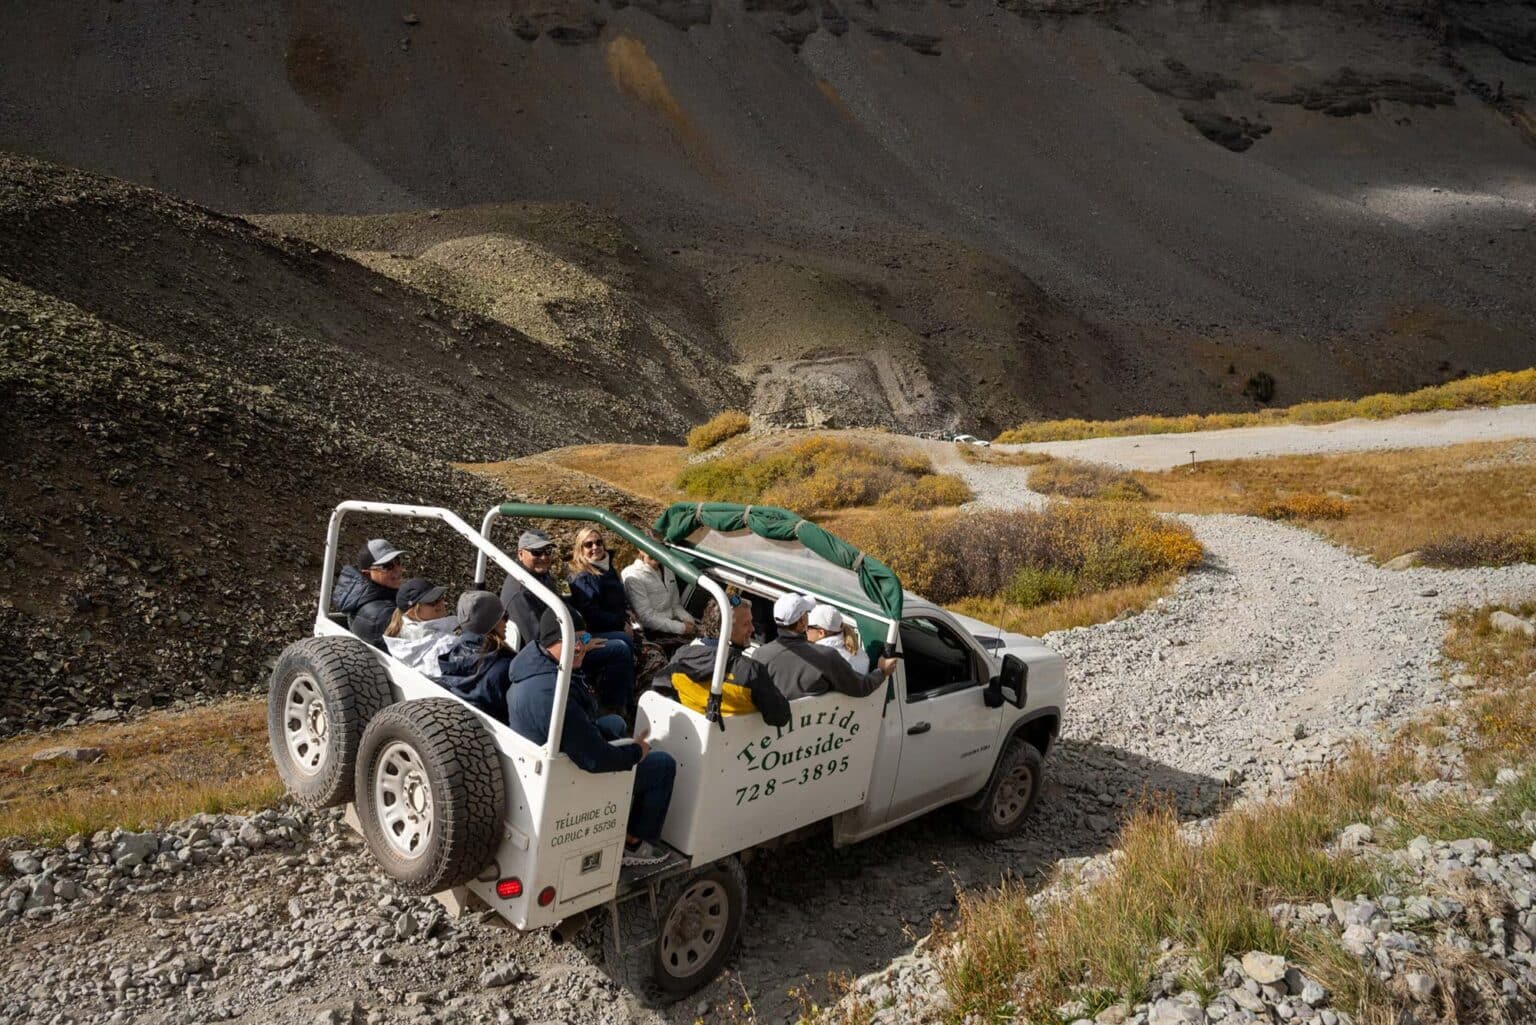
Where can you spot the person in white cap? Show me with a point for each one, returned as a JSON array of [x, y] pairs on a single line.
[[801, 669], [825, 626]]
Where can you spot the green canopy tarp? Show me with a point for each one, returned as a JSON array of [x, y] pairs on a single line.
[[880, 585]]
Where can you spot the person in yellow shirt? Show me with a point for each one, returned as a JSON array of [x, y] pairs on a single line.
[[746, 688]]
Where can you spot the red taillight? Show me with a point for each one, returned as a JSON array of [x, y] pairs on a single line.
[[509, 888], [546, 896]]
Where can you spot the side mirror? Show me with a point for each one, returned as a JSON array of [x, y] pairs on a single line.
[[992, 696], [1014, 680]]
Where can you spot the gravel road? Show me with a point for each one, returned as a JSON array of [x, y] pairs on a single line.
[[1261, 663], [1416, 430]]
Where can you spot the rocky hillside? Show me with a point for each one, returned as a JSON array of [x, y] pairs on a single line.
[[898, 212]]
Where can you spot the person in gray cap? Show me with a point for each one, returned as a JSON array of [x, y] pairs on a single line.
[[801, 669], [536, 553], [610, 666], [477, 667], [366, 592]]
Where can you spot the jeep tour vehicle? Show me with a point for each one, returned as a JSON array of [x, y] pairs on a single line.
[[453, 803]]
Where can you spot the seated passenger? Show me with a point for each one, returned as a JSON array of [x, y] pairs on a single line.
[[477, 667], [653, 596], [366, 592], [421, 628], [585, 736], [825, 626], [598, 594], [801, 669], [610, 667], [746, 688]]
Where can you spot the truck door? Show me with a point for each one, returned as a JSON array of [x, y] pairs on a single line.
[[949, 735]]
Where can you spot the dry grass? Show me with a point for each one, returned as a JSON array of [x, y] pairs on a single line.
[[158, 768], [1066, 613], [1501, 389], [1105, 939], [723, 425], [995, 457], [1070, 478], [1391, 502], [647, 470], [817, 473], [1090, 547]]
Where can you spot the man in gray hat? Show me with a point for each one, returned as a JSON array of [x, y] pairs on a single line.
[[366, 591], [611, 667]]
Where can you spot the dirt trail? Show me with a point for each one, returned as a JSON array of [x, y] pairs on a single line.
[[1415, 430]]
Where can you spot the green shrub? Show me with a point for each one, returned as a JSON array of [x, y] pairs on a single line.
[[723, 425], [1260, 387], [1031, 587]]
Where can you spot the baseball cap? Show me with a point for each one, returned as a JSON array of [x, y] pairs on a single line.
[[376, 553], [790, 607], [534, 540], [549, 626], [479, 611], [827, 618], [418, 591]]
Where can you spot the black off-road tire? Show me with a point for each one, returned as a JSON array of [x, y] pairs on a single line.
[[1011, 794], [685, 957], [322, 693], [430, 794]]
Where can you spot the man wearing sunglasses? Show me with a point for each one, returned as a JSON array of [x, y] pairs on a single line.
[[747, 687], [595, 742], [605, 662], [366, 592]]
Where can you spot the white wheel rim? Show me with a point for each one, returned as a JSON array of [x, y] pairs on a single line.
[[402, 796], [305, 725], [1013, 792], [695, 929]]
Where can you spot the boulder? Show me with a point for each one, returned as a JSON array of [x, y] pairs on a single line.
[[1510, 623], [1265, 969], [82, 755]]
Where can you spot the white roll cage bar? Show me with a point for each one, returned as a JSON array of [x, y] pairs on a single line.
[[485, 550]]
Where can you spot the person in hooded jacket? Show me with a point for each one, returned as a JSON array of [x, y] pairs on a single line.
[[594, 742], [478, 666], [421, 628], [366, 592]]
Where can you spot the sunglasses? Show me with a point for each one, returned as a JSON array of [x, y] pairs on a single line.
[[593, 544], [584, 637], [734, 599]]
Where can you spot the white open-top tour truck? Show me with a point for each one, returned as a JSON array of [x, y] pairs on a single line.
[[453, 803]]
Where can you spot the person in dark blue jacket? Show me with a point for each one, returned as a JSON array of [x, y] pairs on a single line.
[[597, 592], [586, 737], [366, 592], [478, 666]]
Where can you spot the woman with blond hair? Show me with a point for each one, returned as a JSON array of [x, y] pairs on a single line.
[[598, 594], [421, 627]]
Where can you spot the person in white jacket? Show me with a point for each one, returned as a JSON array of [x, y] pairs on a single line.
[[827, 628], [421, 627], [653, 596]]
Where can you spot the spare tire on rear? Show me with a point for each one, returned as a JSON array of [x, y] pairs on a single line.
[[322, 694], [430, 794]]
